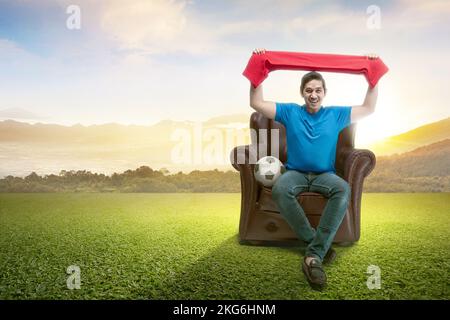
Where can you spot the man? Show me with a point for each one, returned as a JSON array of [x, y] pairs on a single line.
[[312, 132]]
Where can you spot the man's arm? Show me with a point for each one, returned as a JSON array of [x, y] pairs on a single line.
[[370, 101], [267, 108], [368, 106]]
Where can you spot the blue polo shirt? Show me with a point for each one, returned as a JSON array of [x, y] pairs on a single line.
[[312, 138]]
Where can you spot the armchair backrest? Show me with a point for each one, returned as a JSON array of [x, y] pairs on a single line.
[[267, 138]]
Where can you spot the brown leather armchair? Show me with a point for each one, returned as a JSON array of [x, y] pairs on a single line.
[[260, 220]]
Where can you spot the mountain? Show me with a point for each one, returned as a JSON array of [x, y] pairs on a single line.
[[175, 145], [413, 139], [234, 118], [111, 133]]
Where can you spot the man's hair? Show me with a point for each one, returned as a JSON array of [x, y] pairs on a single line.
[[313, 75]]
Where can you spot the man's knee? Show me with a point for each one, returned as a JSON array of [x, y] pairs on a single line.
[[282, 186], [341, 188], [344, 191], [279, 190], [337, 183]]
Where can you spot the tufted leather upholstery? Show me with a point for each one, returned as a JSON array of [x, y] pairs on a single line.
[[260, 220]]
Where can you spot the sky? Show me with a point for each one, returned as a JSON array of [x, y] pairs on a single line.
[[140, 62]]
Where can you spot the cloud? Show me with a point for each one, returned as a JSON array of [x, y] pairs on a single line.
[[19, 113], [149, 23], [433, 7], [16, 64], [142, 27], [403, 16], [10, 51], [420, 15], [338, 21], [154, 27], [249, 26]]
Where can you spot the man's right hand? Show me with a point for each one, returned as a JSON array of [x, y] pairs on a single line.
[[259, 51]]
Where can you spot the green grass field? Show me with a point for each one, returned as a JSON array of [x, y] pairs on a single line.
[[184, 246]]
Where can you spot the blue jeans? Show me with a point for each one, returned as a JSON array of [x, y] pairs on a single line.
[[331, 186]]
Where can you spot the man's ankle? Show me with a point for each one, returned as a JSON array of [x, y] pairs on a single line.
[[308, 259]]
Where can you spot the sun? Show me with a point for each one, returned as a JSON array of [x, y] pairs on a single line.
[[375, 128]]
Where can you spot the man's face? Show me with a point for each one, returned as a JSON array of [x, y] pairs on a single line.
[[313, 93]]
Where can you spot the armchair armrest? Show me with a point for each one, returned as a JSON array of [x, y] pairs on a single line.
[[245, 155], [355, 163], [243, 159]]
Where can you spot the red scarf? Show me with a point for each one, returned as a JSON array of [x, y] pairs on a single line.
[[260, 65]]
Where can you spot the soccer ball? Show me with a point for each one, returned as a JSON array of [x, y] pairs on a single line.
[[267, 170]]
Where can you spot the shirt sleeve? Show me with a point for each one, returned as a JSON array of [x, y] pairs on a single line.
[[282, 112], [343, 117]]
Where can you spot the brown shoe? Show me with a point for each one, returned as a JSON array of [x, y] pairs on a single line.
[[315, 274], [330, 256]]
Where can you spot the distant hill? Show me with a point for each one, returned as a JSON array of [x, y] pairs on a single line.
[[430, 160], [413, 139], [425, 169]]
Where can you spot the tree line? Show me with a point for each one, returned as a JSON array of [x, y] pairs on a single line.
[[145, 179]]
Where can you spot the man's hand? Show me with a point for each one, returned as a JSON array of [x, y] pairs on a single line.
[[259, 51], [257, 102]]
